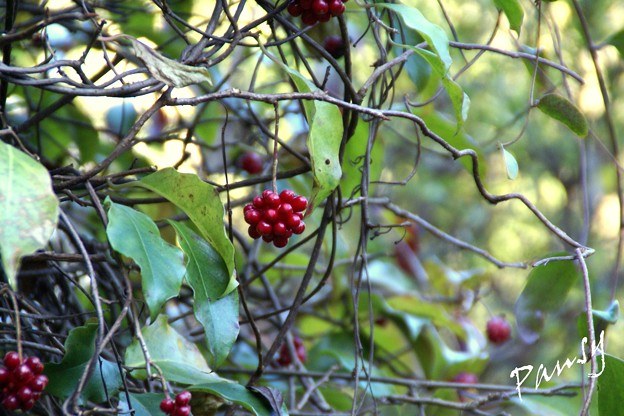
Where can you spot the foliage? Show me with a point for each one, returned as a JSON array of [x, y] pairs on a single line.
[[438, 197]]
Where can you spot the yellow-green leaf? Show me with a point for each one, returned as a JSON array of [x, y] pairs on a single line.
[[561, 109], [172, 73], [28, 208]]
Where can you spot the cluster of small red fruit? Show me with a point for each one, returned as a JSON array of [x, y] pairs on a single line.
[[275, 217], [313, 11], [21, 381], [284, 358], [178, 406]]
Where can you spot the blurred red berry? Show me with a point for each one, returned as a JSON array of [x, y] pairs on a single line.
[[320, 7], [167, 405], [182, 411], [294, 9], [11, 360], [498, 330], [38, 383], [183, 398], [250, 162], [309, 17], [35, 364], [336, 7], [285, 358], [335, 46], [466, 378], [11, 402]]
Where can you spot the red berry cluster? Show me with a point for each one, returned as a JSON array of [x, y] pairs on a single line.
[[313, 11], [284, 357], [21, 381], [178, 406], [275, 217]]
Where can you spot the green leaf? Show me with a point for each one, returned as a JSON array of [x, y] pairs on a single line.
[[172, 73], [438, 57], [511, 165], [433, 34], [561, 109], [435, 313], [354, 159], [324, 138], [64, 376], [610, 391], [418, 69], [617, 40], [514, 12], [440, 362], [546, 289], [28, 208], [135, 235], [200, 201], [602, 319], [179, 359], [240, 395], [147, 404], [324, 145], [207, 275], [459, 100]]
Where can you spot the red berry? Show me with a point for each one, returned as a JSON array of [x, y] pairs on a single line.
[[250, 162], [182, 411], [498, 330], [309, 17], [301, 353], [299, 229], [306, 4], [270, 215], [324, 18], [167, 405], [11, 360], [35, 364], [11, 402], [248, 207], [280, 242], [284, 357], [286, 196], [5, 376], [253, 233], [285, 211], [183, 398], [280, 229], [252, 217], [320, 7], [334, 46], [267, 238], [336, 7], [22, 374], [264, 228], [299, 204], [293, 221], [271, 199], [24, 394], [258, 202], [27, 405], [38, 383], [466, 378], [294, 9]]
